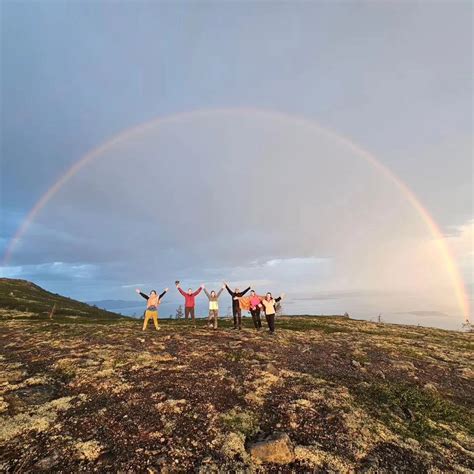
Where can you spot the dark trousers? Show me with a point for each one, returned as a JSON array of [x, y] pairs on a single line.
[[237, 313], [270, 321], [257, 322], [189, 312]]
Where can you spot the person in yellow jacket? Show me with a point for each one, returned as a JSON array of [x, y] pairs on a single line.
[[152, 303], [269, 305]]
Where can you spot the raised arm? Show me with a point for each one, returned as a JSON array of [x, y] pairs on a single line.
[[181, 291], [280, 297], [164, 293], [142, 294], [207, 293], [219, 292], [197, 291], [231, 293], [242, 293]]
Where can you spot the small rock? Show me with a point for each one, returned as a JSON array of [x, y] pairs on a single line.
[[272, 369], [356, 364], [275, 449], [381, 374], [408, 414], [47, 463], [430, 387]]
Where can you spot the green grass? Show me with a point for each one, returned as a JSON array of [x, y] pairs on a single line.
[[242, 421], [326, 324], [417, 408]]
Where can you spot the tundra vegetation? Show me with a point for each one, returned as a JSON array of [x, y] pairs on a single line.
[[92, 392]]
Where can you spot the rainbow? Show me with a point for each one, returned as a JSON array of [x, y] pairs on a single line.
[[458, 283]]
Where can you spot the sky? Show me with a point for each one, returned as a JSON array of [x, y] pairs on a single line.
[[251, 181]]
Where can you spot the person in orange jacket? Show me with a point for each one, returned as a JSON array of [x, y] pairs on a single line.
[[152, 303]]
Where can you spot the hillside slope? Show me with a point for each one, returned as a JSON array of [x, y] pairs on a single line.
[[324, 395], [21, 298]]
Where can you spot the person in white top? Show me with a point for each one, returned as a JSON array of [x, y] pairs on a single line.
[[213, 306]]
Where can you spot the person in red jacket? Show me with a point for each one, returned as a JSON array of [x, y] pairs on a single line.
[[189, 301]]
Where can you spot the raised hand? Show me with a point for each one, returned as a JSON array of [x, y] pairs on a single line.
[[166, 289], [202, 285], [138, 290], [282, 295]]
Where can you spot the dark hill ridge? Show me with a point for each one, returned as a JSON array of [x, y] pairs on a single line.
[[21, 298]]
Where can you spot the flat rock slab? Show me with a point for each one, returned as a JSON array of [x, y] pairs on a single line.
[[275, 449]]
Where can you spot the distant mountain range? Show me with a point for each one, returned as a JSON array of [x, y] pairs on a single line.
[[114, 304], [137, 307]]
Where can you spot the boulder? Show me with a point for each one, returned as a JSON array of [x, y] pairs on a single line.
[[277, 449], [272, 369]]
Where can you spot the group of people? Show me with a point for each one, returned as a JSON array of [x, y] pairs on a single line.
[[253, 303]]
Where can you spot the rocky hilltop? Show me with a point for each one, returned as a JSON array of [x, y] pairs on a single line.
[[323, 394]]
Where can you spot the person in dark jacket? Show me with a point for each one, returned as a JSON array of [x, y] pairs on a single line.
[[236, 309]]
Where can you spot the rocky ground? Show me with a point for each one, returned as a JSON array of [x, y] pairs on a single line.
[[323, 395]]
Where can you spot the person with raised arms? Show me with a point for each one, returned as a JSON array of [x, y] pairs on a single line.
[[251, 303], [269, 305], [236, 308], [189, 301], [213, 306], [152, 303], [254, 302]]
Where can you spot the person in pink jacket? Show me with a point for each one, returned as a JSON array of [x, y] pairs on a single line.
[[255, 301]]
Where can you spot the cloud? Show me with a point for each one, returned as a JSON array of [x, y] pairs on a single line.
[[250, 199], [51, 271]]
